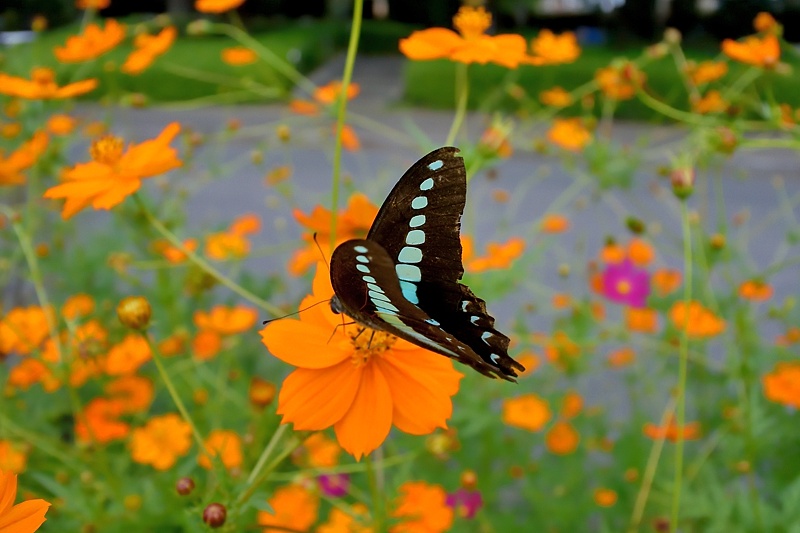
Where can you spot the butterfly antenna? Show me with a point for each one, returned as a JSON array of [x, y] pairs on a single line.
[[321, 253], [296, 312]]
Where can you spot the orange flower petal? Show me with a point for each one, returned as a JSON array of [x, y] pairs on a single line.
[[433, 43], [367, 423], [317, 399], [298, 344]]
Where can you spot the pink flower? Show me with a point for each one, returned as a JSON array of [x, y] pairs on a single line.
[[465, 502], [624, 283]]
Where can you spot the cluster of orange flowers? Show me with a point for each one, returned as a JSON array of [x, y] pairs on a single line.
[[782, 385], [498, 255]]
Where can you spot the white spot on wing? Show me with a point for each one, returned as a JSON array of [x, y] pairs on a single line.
[[408, 272], [415, 236], [436, 165], [362, 259], [360, 249], [363, 268], [427, 184], [410, 254], [419, 202], [416, 221]]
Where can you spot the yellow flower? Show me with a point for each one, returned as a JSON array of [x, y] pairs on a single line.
[[42, 85], [115, 173], [92, 43], [569, 133]]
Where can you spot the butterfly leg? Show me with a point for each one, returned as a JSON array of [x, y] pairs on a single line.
[[342, 325]]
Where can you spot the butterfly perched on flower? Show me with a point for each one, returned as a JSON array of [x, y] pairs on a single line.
[[403, 278]]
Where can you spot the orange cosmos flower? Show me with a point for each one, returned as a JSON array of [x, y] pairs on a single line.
[[620, 82], [712, 102], [261, 392], [318, 451], [216, 6], [12, 459], [114, 172], [641, 320], [133, 393], [569, 133], [148, 48], [127, 356], [226, 320], [612, 253], [423, 507], [551, 49], [61, 124], [666, 281], [561, 300], [350, 521], [765, 23], [21, 159], [295, 507], [572, 405], [352, 222], [233, 243], [555, 97], [782, 385], [707, 71], [469, 45], [605, 497], [350, 140], [206, 344], [238, 56], [304, 107], [791, 336], [92, 4], [24, 329], [173, 254], [561, 350], [42, 86], [691, 431], [359, 382], [528, 411], [530, 361], [621, 357], [562, 439], [698, 321], [640, 252], [161, 441], [762, 52], [755, 290], [99, 422], [494, 142], [25, 517], [92, 43], [498, 256], [329, 94], [553, 223], [225, 444]]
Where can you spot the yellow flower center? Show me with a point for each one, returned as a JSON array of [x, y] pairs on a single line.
[[624, 286], [368, 343], [107, 149], [43, 76], [472, 22]]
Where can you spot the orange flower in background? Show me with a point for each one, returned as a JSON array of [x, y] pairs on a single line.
[[161, 441], [755, 290], [707, 71], [147, 49], [351, 521], [295, 507], [762, 52], [423, 508], [304, 107], [127, 356], [224, 444], [115, 172], [530, 361], [233, 243], [99, 422], [569, 133], [561, 350], [561, 300], [498, 256], [319, 451], [261, 392], [641, 320], [206, 344], [782, 385], [92, 43], [551, 49], [329, 94], [553, 223], [12, 459], [620, 83], [173, 254], [562, 439], [791, 336], [691, 431], [238, 56], [666, 281], [494, 141], [42, 86], [350, 140], [246, 224], [528, 411], [469, 45], [226, 320], [571, 405], [21, 159], [24, 517], [133, 393], [353, 222], [555, 97], [358, 382], [24, 329], [698, 321], [640, 252], [216, 6], [612, 253], [30, 371], [765, 22], [92, 4], [621, 357], [711, 102], [605, 497], [10, 130], [61, 124]]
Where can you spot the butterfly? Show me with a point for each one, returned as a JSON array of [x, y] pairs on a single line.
[[404, 277]]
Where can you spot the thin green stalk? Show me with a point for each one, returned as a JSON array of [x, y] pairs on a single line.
[[682, 366], [294, 442], [271, 445], [202, 263], [462, 95], [378, 507], [341, 112]]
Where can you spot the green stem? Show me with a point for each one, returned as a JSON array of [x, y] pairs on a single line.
[[202, 263], [295, 442], [462, 95], [341, 112], [682, 366], [378, 511]]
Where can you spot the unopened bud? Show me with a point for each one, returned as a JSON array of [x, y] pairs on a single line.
[[184, 486], [682, 179], [134, 312], [214, 515], [717, 241]]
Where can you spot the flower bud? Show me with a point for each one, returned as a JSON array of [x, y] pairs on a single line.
[[725, 140], [635, 225], [132, 502], [214, 515], [261, 393], [184, 486], [198, 27], [672, 37], [469, 479], [682, 179], [284, 133], [717, 241], [134, 312]]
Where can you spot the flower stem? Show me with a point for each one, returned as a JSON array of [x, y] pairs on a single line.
[[216, 274], [462, 95], [378, 507], [682, 366], [341, 112]]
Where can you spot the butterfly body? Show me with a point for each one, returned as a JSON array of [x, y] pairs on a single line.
[[404, 277]]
